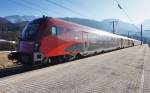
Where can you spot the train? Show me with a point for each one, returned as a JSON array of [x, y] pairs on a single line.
[[48, 40]]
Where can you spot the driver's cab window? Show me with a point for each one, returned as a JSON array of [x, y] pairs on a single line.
[[51, 31]]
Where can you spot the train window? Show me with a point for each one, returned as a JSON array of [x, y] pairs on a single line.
[[59, 30], [30, 31], [76, 37], [51, 31], [54, 31]]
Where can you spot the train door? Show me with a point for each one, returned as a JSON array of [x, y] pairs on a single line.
[[85, 41]]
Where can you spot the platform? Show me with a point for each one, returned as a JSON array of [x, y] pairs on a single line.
[[121, 71]]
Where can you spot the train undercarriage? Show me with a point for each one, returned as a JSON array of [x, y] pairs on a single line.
[[37, 58]]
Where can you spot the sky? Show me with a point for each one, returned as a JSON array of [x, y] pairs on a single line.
[[137, 10]]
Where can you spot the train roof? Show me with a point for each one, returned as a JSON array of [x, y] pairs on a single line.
[[96, 31], [88, 29]]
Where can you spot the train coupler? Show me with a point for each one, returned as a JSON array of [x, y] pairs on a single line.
[[14, 56]]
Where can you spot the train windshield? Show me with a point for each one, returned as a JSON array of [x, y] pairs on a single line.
[[30, 32]]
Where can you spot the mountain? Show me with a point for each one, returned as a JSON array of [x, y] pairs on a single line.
[[6, 25], [18, 19], [85, 22], [3, 20], [120, 27]]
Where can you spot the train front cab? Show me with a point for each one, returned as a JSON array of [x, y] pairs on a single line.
[[29, 43]]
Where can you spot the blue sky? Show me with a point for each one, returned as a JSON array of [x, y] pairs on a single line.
[[138, 10]]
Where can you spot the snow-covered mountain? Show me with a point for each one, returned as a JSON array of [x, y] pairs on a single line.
[[18, 19], [3, 20]]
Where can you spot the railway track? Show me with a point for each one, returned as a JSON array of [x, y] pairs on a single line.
[[18, 69]]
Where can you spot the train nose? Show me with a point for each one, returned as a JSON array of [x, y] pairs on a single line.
[[26, 47]]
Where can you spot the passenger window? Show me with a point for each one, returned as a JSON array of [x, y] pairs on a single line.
[[54, 31], [60, 30], [76, 37]]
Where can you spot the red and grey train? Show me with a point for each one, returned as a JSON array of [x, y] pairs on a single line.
[[47, 39]]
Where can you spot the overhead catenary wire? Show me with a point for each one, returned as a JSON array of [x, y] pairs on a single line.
[[32, 5], [26, 6], [38, 8], [70, 2], [129, 18], [121, 8], [66, 8], [46, 10]]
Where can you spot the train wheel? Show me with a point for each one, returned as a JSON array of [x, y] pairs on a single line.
[[54, 61], [26, 61], [46, 61], [49, 61], [78, 56]]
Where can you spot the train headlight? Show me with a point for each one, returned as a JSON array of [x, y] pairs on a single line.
[[36, 46], [38, 56]]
